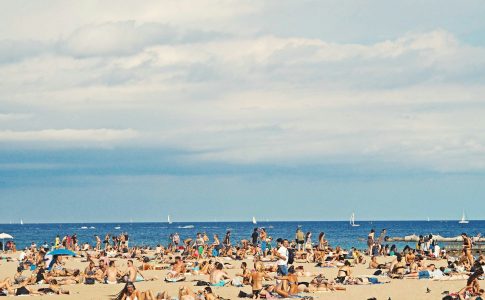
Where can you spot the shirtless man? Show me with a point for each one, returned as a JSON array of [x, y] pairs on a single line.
[[111, 274], [133, 272], [218, 277], [178, 269]]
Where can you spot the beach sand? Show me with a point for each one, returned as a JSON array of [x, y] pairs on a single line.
[[397, 289]]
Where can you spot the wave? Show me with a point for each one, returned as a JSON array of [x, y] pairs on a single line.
[[84, 227], [186, 227]]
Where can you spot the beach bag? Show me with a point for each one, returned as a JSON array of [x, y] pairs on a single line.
[[202, 283], [89, 281], [291, 256]]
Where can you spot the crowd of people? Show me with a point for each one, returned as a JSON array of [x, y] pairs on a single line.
[[271, 270]]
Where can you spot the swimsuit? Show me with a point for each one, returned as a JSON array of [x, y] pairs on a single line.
[[219, 284], [257, 292]]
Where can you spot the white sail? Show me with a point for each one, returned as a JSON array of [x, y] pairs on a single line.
[[463, 218], [168, 220], [21, 222], [352, 221], [254, 221]]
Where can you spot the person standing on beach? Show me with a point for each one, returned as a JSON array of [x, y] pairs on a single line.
[[370, 241], [282, 254], [254, 237], [467, 248], [227, 240], [98, 242], [380, 241], [300, 238], [57, 242]]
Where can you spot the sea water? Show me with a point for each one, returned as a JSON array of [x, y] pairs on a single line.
[[151, 234]]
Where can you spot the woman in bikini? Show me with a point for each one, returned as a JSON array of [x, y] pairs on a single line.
[[467, 248], [129, 292], [344, 273], [292, 287], [256, 279]]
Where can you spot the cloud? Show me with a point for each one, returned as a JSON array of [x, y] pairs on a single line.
[[411, 101], [125, 38], [68, 135], [6, 117]]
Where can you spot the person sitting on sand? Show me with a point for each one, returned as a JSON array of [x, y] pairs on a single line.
[[373, 264], [256, 279], [344, 273], [129, 292], [177, 271], [358, 257], [288, 285], [218, 277], [245, 274], [397, 269], [112, 274], [185, 293]]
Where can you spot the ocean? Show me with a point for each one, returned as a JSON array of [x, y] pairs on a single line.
[[337, 233]]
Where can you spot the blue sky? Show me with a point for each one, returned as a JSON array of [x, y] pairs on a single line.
[[298, 110]]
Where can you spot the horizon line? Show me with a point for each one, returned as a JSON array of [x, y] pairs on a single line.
[[240, 221]]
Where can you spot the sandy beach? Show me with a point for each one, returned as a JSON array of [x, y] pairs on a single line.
[[396, 289]]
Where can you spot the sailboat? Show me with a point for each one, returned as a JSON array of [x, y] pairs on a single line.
[[21, 222], [254, 221], [352, 221], [168, 220], [463, 219], [428, 219]]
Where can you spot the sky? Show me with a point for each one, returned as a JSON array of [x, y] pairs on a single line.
[[223, 110]]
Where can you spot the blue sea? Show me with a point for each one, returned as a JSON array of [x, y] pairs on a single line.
[[337, 233]]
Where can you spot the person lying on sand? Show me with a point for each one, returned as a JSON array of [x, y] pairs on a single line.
[[129, 292]]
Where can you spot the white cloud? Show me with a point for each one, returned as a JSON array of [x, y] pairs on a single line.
[[415, 99], [68, 135]]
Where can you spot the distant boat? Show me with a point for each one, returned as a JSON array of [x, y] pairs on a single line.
[[84, 227], [254, 221], [117, 227], [352, 221], [168, 220], [21, 222], [463, 219], [428, 219]]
